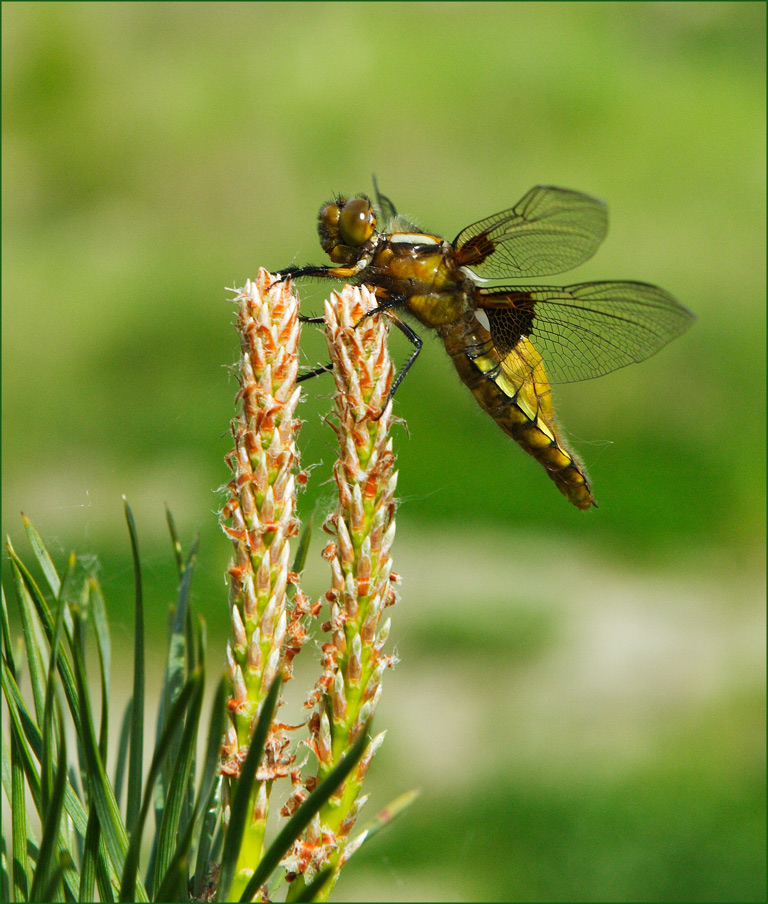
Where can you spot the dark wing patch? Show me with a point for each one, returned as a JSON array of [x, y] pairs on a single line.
[[585, 330], [550, 230]]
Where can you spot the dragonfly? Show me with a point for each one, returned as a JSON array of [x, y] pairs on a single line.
[[508, 342]]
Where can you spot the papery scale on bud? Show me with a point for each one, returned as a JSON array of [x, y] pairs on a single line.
[[346, 549], [356, 510], [339, 699], [268, 507], [260, 808], [250, 603], [374, 701], [337, 575], [323, 740], [374, 682], [367, 757], [268, 617], [349, 820], [358, 726], [282, 570], [270, 671], [383, 636], [238, 629], [388, 539], [239, 690], [247, 502], [368, 629], [350, 597], [345, 493], [355, 663], [231, 663], [253, 659], [363, 571], [263, 578], [283, 486], [260, 475], [352, 846], [313, 830], [279, 634]]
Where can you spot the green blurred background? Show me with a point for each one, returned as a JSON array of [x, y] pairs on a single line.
[[581, 698]]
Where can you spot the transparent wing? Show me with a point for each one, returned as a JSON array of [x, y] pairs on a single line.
[[386, 209], [550, 230], [585, 330]]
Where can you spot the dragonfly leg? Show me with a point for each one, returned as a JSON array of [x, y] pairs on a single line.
[[389, 302], [320, 369], [417, 341], [315, 372], [297, 273], [319, 272]]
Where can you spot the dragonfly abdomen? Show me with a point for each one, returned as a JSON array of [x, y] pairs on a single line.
[[521, 406]]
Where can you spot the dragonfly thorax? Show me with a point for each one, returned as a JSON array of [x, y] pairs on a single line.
[[420, 270]]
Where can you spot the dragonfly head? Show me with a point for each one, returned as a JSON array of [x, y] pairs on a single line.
[[345, 226]]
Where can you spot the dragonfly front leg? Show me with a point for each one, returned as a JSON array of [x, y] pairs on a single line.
[[319, 272], [297, 272]]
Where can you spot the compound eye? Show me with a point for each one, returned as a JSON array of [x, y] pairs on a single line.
[[329, 215], [357, 222]]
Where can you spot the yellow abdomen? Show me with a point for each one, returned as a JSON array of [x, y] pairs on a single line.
[[516, 394]]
